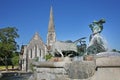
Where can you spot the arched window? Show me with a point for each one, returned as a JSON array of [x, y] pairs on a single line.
[[51, 37], [35, 50], [30, 53], [40, 52]]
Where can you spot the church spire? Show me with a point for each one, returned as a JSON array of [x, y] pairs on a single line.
[[51, 36], [51, 26]]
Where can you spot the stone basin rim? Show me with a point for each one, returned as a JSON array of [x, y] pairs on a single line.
[[49, 64]]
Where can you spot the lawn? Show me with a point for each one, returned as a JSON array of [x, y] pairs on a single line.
[[2, 68]]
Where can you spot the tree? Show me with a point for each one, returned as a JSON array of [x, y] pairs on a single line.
[[15, 61], [8, 45], [114, 50]]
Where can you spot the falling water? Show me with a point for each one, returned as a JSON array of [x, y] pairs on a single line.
[[97, 44]]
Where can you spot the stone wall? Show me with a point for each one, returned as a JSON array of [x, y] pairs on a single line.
[[104, 68], [50, 71], [108, 68], [80, 69]]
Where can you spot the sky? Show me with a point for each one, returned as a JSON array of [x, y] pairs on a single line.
[[71, 18]]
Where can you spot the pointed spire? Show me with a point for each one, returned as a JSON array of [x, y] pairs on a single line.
[[51, 36], [51, 26]]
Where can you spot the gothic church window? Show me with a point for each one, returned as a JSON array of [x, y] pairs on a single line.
[[35, 50], [40, 52], [51, 37], [30, 53]]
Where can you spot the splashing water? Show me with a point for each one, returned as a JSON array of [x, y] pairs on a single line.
[[97, 44]]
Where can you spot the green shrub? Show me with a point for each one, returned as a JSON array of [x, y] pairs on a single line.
[[48, 56]]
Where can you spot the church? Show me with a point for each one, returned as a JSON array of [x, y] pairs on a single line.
[[36, 48]]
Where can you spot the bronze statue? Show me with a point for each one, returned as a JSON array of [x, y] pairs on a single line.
[[96, 27], [96, 44]]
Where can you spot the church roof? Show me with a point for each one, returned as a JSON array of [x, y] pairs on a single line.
[[36, 36], [36, 40]]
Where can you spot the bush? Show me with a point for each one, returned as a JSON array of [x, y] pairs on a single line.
[[48, 56]]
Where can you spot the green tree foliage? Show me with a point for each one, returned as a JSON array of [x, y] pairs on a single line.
[[115, 50], [15, 59], [8, 45]]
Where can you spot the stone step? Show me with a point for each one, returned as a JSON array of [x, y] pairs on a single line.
[[62, 77]]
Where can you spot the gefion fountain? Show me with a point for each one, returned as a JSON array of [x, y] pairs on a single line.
[[107, 63], [98, 64]]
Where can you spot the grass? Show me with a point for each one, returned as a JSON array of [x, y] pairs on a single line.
[[2, 68]]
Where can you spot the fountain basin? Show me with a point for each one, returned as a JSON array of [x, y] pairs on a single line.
[[107, 54], [15, 75], [49, 64], [108, 62], [64, 70]]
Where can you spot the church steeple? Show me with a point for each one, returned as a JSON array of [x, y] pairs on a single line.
[[51, 36], [51, 26]]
